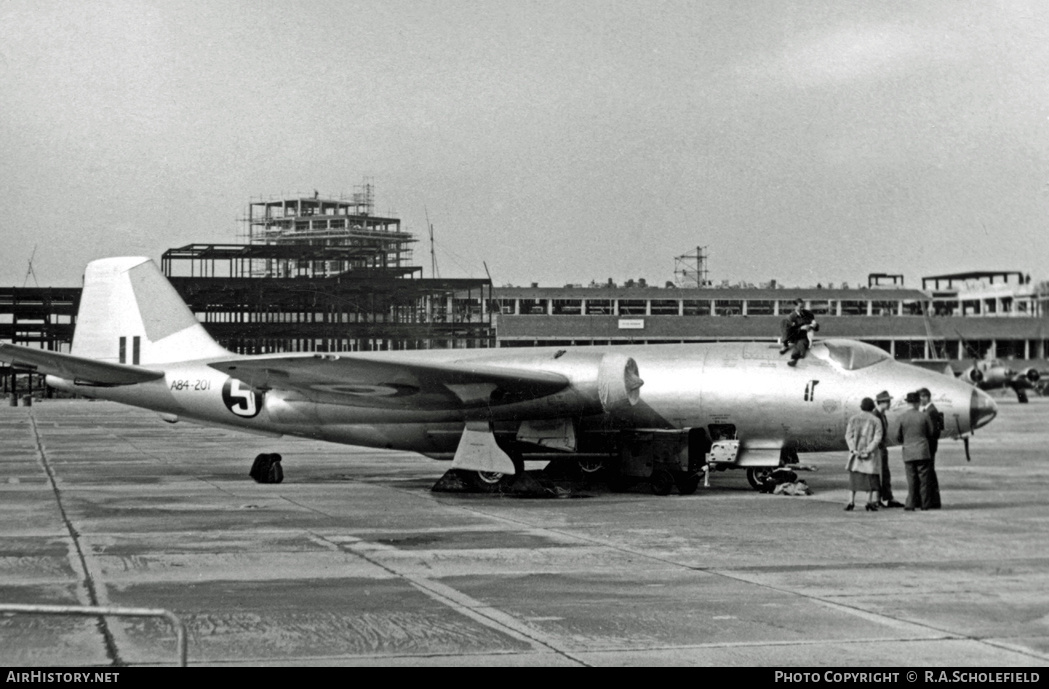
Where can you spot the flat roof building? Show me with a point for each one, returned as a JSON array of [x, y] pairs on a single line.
[[908, 323]]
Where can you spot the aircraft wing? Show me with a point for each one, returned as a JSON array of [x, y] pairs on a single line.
[[383, 383], [75, 368]]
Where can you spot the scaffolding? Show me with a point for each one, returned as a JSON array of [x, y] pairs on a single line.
[[326, 274], [347, 226], [42, 317]]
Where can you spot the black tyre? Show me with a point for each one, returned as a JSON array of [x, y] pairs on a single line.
[[489, 478], [487, 481], [661, 482], [759, 476], [687, 483], [589, 467], [260, 468]]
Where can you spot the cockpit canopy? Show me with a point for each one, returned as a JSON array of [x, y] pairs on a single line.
[[849, 354]]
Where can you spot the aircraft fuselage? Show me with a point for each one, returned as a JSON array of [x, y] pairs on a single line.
[[743, 390]]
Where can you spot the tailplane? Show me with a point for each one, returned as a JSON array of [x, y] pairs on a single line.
[[130, 314]]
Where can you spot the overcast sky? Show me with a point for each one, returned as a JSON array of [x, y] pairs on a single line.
[[560, 142]]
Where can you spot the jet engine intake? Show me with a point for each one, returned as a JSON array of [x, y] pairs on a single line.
[[618, 382]]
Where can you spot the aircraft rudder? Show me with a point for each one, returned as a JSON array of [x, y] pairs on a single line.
[[130, 314]]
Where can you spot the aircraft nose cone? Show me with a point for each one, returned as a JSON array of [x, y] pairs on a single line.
[[982, 409]]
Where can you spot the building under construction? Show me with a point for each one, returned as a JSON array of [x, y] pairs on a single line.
[[41, 317], [322, 274]]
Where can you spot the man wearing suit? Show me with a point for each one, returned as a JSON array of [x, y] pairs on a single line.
[[925, 405], [883, 401], [916, 428]]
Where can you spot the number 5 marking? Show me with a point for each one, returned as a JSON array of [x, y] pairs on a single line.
[[242, 401]]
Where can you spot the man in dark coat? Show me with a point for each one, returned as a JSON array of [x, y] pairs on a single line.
[[916, 428], [925, 405], [796, 332], [883, 402]]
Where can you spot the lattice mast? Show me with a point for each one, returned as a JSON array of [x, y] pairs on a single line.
[[690, 270]]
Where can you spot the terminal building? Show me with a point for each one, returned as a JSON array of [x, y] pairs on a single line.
[[961, 316]]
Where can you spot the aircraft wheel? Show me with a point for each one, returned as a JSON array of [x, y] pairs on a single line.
[[687, 483], [661, 482], [757, 476], [590, 466], [488, 481], [489, 478], [260, 468], [590, 470]]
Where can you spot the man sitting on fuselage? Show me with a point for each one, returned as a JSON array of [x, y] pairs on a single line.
[[798, 329]]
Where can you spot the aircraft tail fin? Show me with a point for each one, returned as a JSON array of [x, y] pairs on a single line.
[[130, 314]]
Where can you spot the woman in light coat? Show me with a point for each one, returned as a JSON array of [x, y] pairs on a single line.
[[863, 434]]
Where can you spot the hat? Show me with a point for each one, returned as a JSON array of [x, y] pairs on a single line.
[[867, 404], [924, 391], [883, 396], [912, 398]]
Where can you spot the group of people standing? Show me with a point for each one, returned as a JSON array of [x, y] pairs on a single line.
[[868, 464], [867, 433]]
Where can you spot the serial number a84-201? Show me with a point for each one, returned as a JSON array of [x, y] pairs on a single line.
[[191, 385]]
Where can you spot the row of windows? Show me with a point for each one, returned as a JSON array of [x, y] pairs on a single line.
[[901, 349], [762, 307], [697, 307]]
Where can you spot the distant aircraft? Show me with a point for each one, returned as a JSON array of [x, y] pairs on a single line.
[[992, 374], [667, 412]]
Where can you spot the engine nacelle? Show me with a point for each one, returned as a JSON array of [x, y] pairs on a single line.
[[618, 382], [1032, 375], [601, 382], [285, 407]]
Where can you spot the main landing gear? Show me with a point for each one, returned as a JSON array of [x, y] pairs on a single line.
[[495, 481], [761, 478], [764, 479], [266, 469]]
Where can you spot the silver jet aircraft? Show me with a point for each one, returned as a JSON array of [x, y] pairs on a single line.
[[666, 412]]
